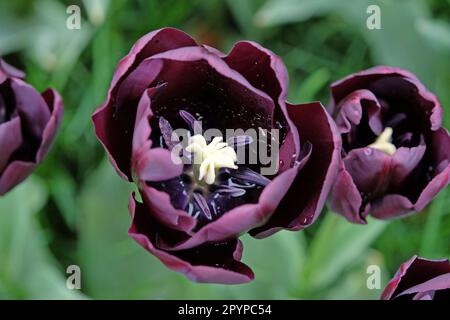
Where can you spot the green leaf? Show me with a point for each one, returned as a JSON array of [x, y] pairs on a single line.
[[335, 247], [430, 236], [437, 33], [276, 262], [28, 270], [313, 84], [277, 12]]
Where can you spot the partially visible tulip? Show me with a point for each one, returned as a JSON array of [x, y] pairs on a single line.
[[395, 154], [420, 279], [28, 124]]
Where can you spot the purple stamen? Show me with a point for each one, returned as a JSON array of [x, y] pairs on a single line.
[[166, 133], [251, 176], [190, 120], [233, 191], [202, 204], [238, 141]]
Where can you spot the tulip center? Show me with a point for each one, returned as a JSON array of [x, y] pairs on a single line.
[[209, 158], [384, 142]]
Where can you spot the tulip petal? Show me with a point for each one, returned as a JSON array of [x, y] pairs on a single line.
[[18, 170], [314, 180], [405, 160], [440, 159], [15, 173], [33, 111], [113, 131], [261, 67], [211, 88], [10, 140], [209, 263], [441, 282], [266, 72], [160, 207], [402, 82], [345, 198], [8, 71], [157, 164], [151, 164], [349, 111], [55, 105], [414, 272], [391, 206]]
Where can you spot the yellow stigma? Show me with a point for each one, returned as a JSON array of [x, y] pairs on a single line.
[[208, 158], [383, 142]]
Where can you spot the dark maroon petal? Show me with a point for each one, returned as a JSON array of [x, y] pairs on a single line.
[[305, 199], [15, 173], [261, 67], [114, 129], [349, 111], [391, 206], [230, 225], [157, 164], [151, 164], [370, 169], [55, 104], [8, 71], [150, 44], [426, 295], [441, 282], [10, 140], [131, 88], [213, 50], [33, 110], [18, 170], [223, 97], [344, 197], [211, 263], [142, 129], [375, 172], [160, 207], [405, 84], [414, 272], [266, 72], [440, 164], [405, 160], [393, 284]]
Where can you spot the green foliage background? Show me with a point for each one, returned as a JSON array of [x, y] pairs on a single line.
[[73, 210]]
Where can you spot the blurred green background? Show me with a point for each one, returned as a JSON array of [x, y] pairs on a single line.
[[73, 210]]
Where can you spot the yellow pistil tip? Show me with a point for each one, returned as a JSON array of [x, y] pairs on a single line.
[[211, 157], [383, 142]]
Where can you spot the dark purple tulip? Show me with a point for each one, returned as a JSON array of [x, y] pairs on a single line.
[[28, 124], [420, 279], [168, 81], [396, 155]]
